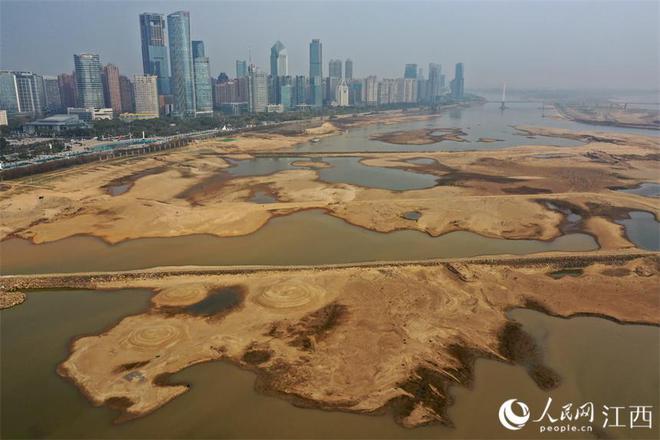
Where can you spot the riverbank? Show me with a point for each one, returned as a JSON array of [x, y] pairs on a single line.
[[348, 338]]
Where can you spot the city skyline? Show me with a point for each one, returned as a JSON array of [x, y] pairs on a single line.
[[548, 62]]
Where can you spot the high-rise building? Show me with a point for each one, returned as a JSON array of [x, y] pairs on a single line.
[[203, 85], [286, 92], [299, 92], [30, 92], [408, 91], [67, 83], [348, 69], [279, 64], [334, 69], [411, 71], [8, 92], [198, 49], [203, 90], [182, 77], [127, 94], [154, 50], [315, 59], [341, 94], [458, 83], [111, 91], [371, 90], [434, 87], [145, 91], [316, 91], [257, 89], [241, 68], [88, 80], [389, 91], [53, 96], [355, 92]]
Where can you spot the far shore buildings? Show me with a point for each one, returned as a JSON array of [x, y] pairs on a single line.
[[181, 60], [186, 88], [341, 95], [257, 89], [88, 80], [202, 82], [154, 50], [55, 124], [111, 88], [279, 63], [458, 83], [146, 95]]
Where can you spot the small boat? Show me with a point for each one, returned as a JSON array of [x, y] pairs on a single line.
[[315, 140]]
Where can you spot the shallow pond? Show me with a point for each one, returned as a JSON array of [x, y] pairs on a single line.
[[308, 237], [350, 170], [647, 189], [643, 230]]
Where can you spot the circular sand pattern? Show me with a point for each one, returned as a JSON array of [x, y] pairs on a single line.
[[154, 336], [181, 295], [290, 293]]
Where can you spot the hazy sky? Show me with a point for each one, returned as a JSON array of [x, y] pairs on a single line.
[[544, 44]]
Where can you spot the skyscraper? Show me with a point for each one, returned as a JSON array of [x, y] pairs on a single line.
[[241, 68], [154, 50], [315, 59], [341, 94], [348, 69], [182, 79], [279, 64], [67, 85], [31, 93], [53, 96], [22, 92], [257, 89], [198, 49], [299, 93], [127, 94], [145, 91], [203, 89], [434, 86], [88, 80], [458, 83], [410, 71], [203, 85], [8, 92], [111, 89], [371, 90], [334, 69], [316, 91]]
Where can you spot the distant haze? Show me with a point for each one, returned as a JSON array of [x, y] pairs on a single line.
[[531, 44]]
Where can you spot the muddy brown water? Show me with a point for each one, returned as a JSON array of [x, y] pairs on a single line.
[[598, 360], [283, 241], [643, 230]]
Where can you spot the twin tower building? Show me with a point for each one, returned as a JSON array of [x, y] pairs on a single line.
[[186, 77]]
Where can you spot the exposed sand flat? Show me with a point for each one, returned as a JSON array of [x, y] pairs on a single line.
[[187, 191], [422, 136], [357, 339], [606, 115]]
